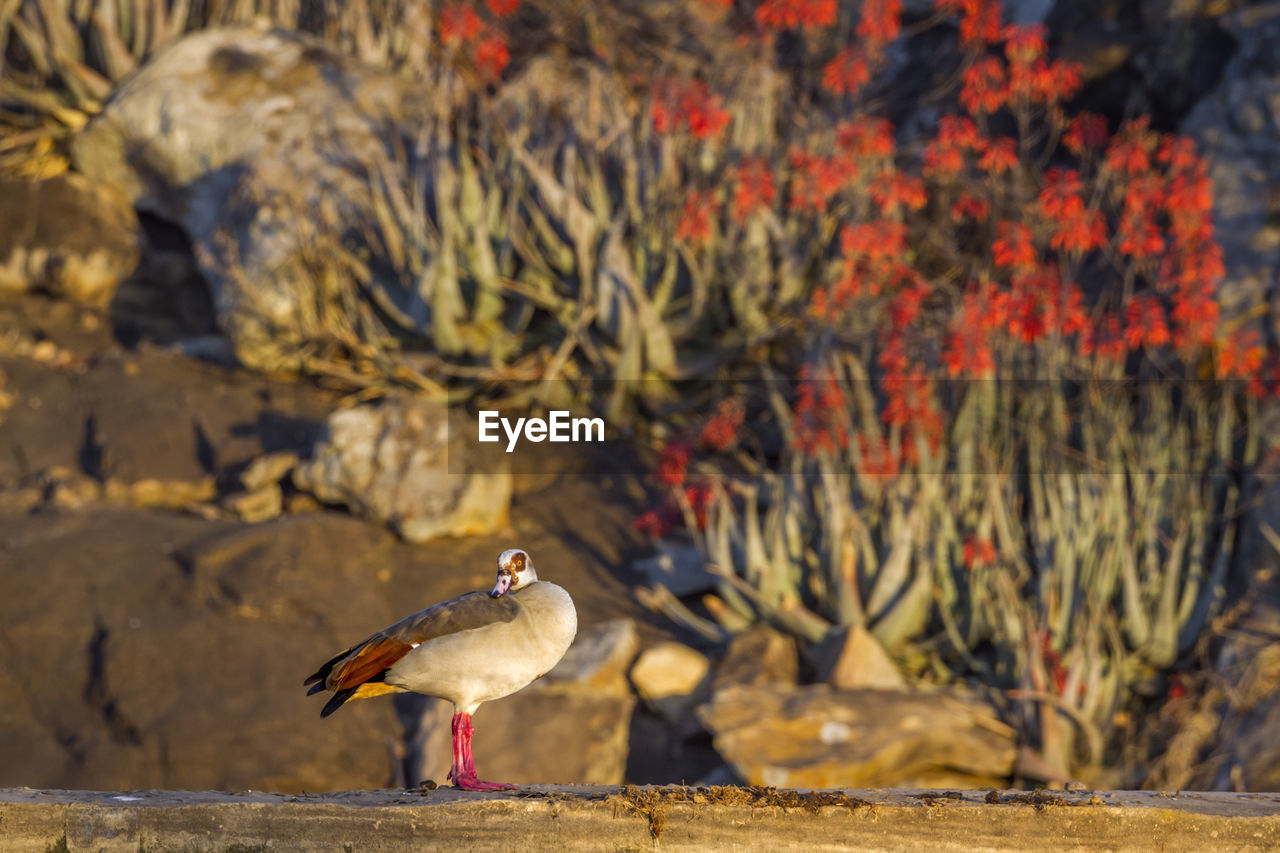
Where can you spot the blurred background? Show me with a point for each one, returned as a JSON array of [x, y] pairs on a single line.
[[936, 340]]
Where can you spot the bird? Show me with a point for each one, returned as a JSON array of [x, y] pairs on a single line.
[[471, 649]]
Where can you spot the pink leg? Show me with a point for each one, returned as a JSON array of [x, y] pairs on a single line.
[[463, 774]]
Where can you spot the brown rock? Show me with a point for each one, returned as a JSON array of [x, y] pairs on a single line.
[[259, 142], [673, 679], [669, 669], [816, 737], [169, 494], [758, 655], [170, 419], [159, 651], [853, 658], [72, 491], [400, 462], [254, 507], [300, 503], [268, 469], [597, 662]]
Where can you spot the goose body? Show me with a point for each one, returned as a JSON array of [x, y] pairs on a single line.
[[469, 650]]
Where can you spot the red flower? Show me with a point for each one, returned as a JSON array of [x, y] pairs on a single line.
[[865, 138], [689, 105], [880, 23], [1145, 324], [1195, 314], [1085, 131], [1077, 229], [778, 15], [1001, 156], [876, 460], [1241, 354], [1081, 233], [755, 188], [942, 161], [458, 24], [1131, 148], [1104, 339], [985, 88], [1057, 81], [1061, 200], [721, 431], [1139, 235], [893, 190], [874, 241], [904, 307], [969, 207], [502, 8], [673, 463], [847, 73], [815, 179], [979, 19], [653, 523], [695, 219], [1023, 43], [944, 155], [699, 496], [818, 419], [491, 56], [978, 553], [1012, 247]]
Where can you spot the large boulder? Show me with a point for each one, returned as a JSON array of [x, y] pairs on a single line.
[[758, 655], [1237, 126], [149, 650], [404, 462], [570, 726], [264, 146], [816, 737]]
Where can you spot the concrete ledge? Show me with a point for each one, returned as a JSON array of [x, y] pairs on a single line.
[[639, 819]]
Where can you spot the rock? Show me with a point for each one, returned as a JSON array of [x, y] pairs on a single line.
[[1237, 127], [672, 679], [260, 143], [816, 737], [299, 503], [853, 658], [597, 661], [66, 235], [677, 567], [149, 415], [254, 507], [668, 669], [159, 650], [268, 469], [165, 494], [1146, 58], [66, 489], [758, 655], [398, 461], [569, 726]]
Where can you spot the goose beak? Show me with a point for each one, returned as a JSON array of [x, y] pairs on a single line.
[[503, 584]]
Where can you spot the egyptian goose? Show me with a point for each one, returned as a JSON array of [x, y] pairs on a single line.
[[468, 650]]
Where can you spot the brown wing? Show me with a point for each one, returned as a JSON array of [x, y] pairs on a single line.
[[372, 657]]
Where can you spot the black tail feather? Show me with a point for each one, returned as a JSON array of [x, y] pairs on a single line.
[[335, 702], [316, 688]]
